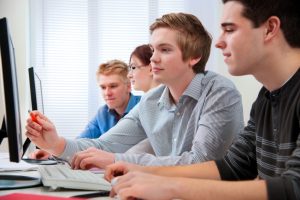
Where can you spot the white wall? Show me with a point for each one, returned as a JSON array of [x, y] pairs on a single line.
[[17, 14]]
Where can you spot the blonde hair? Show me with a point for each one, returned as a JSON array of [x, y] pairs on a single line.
[[113, 67], [192, 38]]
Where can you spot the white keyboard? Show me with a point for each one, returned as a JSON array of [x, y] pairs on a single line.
[[62, 176]]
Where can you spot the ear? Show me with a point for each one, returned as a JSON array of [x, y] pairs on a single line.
[[193, 61], [272, 27]]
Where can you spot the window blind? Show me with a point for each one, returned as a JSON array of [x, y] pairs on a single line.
[[70, 38]]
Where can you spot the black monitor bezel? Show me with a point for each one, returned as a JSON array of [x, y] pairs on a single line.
[[34, 100], [11, 94], [35, 83], [32, 89]]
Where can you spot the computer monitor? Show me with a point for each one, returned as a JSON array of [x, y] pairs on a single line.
[[11, 127], [36, 90], [37, 103], [34, 99], [12, 121]]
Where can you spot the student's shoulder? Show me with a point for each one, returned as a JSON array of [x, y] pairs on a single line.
[[154, 93], [102, 110], [135, 98], [217, 80]]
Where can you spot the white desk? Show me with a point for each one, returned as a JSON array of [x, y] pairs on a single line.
[[45, 190]]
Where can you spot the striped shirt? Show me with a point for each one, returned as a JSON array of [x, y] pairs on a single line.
[[269, 147], [200, 127]]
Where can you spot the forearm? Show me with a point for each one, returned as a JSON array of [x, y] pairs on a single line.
[[148, 159], [211, 189], [206, 170]]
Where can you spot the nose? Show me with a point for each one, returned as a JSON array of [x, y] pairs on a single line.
[[129, 75], [220, 44], [107, 91], [154, 57]]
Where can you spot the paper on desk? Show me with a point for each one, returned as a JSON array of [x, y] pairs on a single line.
[[7, 166]]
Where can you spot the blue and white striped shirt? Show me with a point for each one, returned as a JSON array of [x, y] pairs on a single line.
[[200, 127]]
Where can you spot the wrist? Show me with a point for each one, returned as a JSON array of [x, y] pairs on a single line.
[[113, 158], [173, 190], [59, 148], [150, 169]]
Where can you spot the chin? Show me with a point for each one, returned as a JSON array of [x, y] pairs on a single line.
[[136, 88], [238, 73], [234, 71], [158, 79], [110, 106]]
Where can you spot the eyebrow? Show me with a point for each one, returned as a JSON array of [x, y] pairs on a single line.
[[161, 45], [227, 24]]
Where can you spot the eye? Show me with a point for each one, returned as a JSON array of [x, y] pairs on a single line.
[[102, 87], [113, 86], [165, 50], [228, 29], [132, 67]]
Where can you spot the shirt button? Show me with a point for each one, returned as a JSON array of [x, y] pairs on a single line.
[[178, 113], [175, 140]]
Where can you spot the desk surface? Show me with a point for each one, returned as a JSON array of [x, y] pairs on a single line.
[[46, 190]]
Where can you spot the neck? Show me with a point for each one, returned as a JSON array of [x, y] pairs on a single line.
[[121, 110], [153, 85], [275, 73], [179, 86]]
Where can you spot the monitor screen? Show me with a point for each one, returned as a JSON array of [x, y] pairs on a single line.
[[11, 125]]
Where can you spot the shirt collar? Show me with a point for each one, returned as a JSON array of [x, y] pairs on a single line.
[[191, 91], [194, 89], [285, 88], [130, 105]]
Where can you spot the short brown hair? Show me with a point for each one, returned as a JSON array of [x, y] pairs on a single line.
[[193, 39], [288, 11], [113, 67]]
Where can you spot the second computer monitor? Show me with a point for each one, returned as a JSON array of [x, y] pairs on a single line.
[[36, 92]]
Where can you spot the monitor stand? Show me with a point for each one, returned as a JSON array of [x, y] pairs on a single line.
[[8, 182], [15, 181]]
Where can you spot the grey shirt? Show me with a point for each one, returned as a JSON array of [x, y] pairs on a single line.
[[200, 127]]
